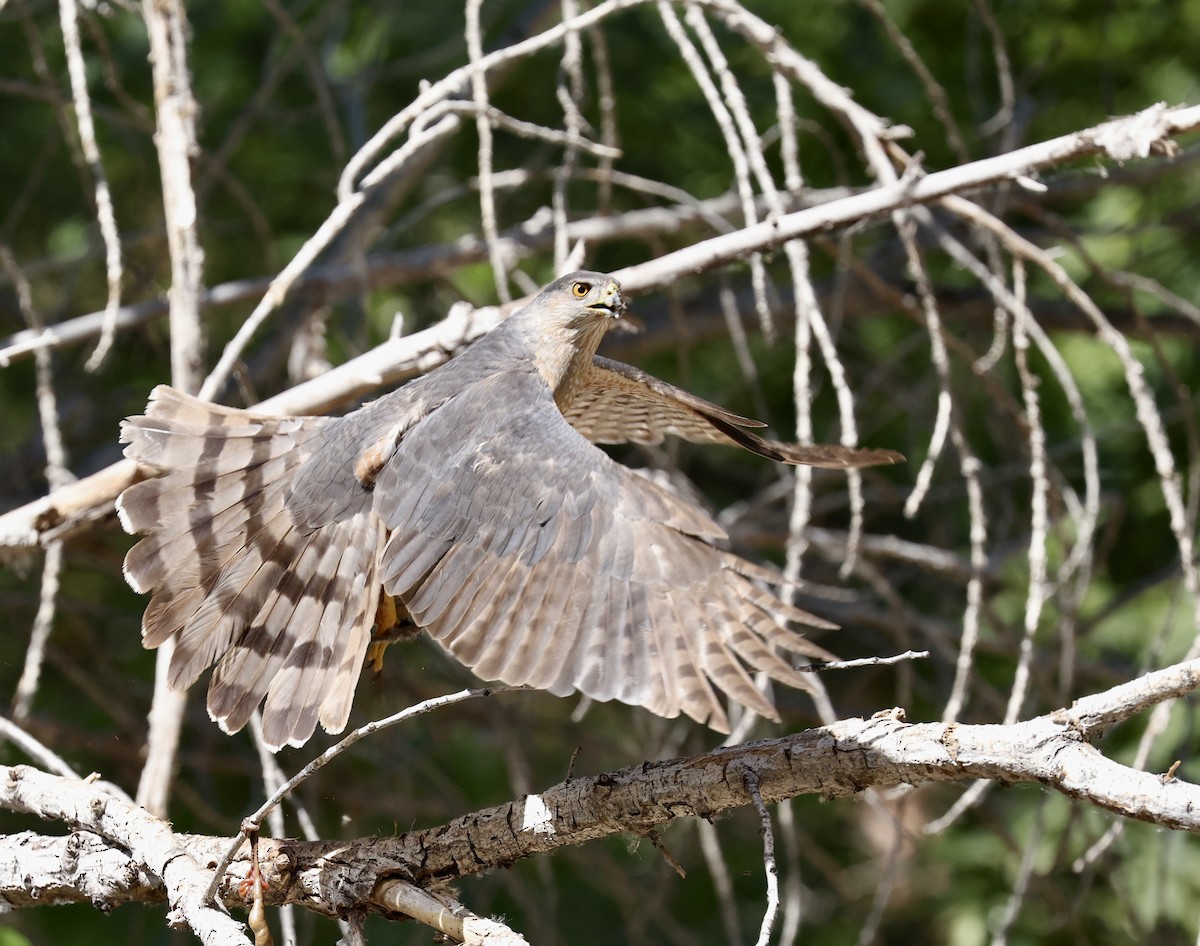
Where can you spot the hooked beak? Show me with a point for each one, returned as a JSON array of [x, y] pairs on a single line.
[[610, 302]]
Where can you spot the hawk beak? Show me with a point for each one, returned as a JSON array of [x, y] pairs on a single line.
[[610, 303]]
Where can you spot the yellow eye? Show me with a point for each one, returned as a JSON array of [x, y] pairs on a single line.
[[580, 289]]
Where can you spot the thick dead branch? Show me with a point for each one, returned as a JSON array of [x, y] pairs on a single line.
[[149, 841]]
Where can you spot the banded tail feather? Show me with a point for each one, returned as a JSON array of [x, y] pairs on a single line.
[[283, 610]]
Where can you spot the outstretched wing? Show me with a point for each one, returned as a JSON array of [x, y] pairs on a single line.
[[283, 609], [535, 559], [618, 403]]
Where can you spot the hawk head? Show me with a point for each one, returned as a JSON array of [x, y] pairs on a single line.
[[580, 299], [561, 328]]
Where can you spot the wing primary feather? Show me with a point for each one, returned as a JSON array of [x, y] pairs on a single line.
[[508, 652], [467, 597], [591, 626], [465, 638], [695, 696], [551, 656]]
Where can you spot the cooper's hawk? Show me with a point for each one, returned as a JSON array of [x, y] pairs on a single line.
[[473, 496]]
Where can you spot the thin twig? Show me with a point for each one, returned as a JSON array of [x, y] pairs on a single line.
[[1039, 513], [483, 126], [43, 755], [734, 146], [718, 870], [864, 662], [750, 779], [341, 215], [105, 216], [569, 94], [1029, 853], [793, 886]]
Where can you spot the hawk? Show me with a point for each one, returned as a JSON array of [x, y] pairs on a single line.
[[475, 500]]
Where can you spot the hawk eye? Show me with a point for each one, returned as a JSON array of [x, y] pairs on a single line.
[[580, 289]]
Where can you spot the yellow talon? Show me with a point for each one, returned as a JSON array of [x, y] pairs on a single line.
[[386, 620], [375, 656]]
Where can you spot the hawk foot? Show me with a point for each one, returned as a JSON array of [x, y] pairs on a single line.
[[392, 624]]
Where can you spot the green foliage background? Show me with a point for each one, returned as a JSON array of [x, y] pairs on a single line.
[[266, 177]]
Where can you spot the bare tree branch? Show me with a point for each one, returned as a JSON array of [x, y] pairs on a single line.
[[149, 841], [833, 761]]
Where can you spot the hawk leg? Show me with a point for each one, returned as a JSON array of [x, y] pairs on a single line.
[[392, 625]]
